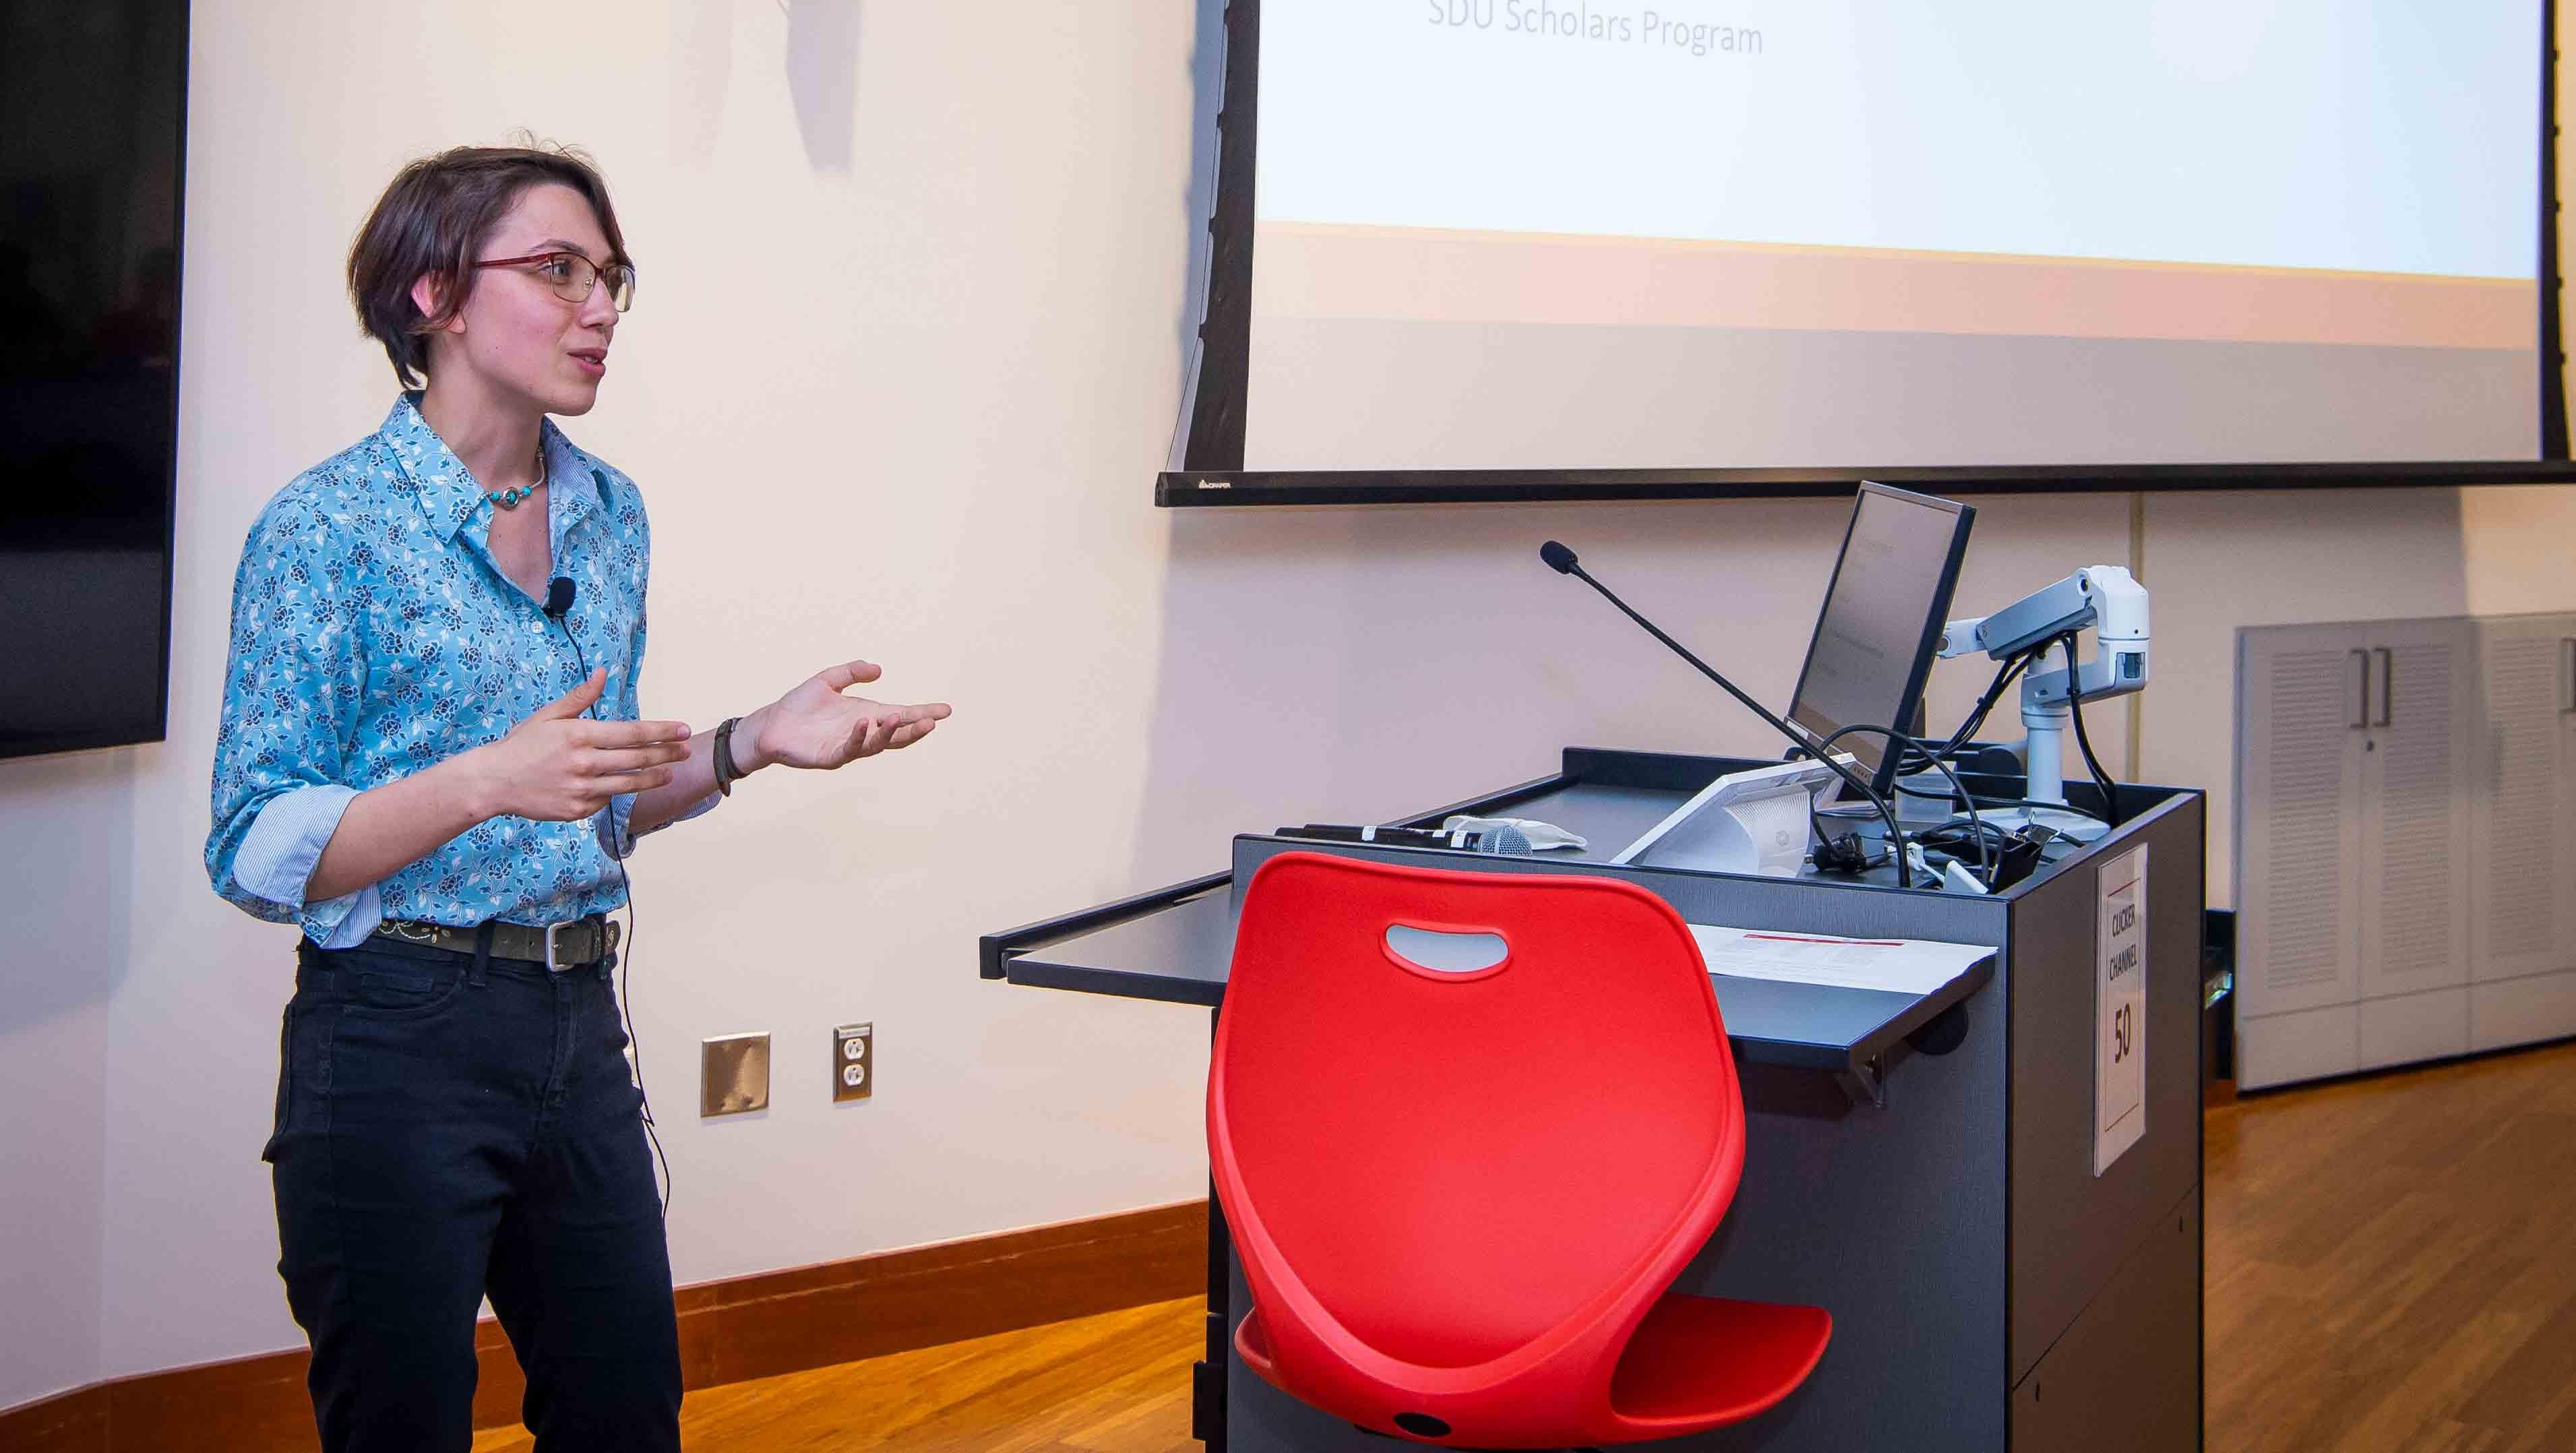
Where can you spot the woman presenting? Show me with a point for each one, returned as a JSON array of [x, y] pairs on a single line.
[[431, 760]]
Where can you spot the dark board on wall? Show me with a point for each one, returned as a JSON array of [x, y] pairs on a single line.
[[93, 102]]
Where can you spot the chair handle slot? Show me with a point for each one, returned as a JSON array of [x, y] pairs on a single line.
[[1446, 952]]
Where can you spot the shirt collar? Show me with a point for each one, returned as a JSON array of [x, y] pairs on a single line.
[[571, 494], [447, 491]]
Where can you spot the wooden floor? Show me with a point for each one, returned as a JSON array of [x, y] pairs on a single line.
[[2392, 1262], [2391, 1266], [1115, 1383]]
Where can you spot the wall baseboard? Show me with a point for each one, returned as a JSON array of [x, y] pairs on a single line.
[[730, 1331]]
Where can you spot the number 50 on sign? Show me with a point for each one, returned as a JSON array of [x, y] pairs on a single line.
[[2120, 1010]]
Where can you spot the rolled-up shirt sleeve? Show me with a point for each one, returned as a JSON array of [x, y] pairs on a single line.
[[617, 842], [277, 857], [292, 689]]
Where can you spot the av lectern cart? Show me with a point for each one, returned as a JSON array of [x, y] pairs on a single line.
[[1921, 1166]]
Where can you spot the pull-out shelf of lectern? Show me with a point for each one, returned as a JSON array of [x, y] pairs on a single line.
[[1176, 944], [1178, 950]]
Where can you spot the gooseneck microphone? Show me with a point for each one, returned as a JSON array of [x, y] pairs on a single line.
[[1561, 560]]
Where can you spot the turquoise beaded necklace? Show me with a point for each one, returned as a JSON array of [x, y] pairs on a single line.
[[508, 499]]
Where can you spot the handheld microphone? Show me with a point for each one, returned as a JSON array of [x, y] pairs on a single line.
[[1562, 560]]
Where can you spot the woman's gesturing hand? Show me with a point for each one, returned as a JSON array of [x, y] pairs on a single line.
[[815, 726], [557, 766]]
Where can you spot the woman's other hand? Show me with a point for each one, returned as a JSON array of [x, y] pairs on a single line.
[[817, 727]]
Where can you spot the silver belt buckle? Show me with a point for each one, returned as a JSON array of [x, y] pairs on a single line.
[[554, 962], [554, 952]]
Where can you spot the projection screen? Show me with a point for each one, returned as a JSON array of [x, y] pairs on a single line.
[[1523, 235]]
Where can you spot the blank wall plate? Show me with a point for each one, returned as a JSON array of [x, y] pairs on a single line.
[[733, 1074]]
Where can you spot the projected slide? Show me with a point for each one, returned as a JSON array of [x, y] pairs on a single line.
[[1525, 234]]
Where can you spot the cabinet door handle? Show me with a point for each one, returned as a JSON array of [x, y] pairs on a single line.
[[2387, 680], [2567, 674], [2361, 702]]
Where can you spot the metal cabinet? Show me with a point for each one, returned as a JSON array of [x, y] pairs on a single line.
[[2403, 839], [2522, 958]]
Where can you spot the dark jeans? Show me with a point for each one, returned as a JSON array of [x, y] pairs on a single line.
[[446, 1130]]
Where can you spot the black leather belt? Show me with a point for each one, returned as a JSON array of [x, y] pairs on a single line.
[[559, 946]]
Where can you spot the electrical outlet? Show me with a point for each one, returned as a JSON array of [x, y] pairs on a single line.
[[733, 1074], [854, 1062]]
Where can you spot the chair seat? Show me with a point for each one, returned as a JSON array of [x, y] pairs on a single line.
[[1694, 1363], [1699, 1362], [1252, 1344]]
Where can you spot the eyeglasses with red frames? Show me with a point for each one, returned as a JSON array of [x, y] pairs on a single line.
[[572, 276]]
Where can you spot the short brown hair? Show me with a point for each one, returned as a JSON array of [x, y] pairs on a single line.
[[434, 217]]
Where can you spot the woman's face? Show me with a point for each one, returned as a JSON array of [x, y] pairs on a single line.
[[523, 342]]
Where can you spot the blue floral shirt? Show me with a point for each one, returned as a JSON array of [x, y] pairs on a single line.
[[373, 636]]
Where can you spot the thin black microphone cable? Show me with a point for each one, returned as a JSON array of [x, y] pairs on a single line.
[[2092, 764], [1975, 719], [2109, 816], [635, 1045], [1907, 750], [625, 961]]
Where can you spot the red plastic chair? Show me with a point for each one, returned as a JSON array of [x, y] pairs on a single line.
[[1459, 1196]]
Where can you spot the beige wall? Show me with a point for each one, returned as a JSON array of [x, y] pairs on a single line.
[[905, 359]]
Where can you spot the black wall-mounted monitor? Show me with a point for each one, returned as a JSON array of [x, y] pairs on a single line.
[[1881, 622], [93, 104]]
